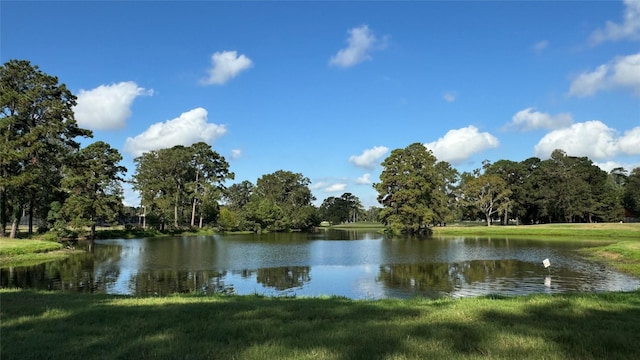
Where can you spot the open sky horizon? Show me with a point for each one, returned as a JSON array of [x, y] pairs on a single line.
[[328, 89]]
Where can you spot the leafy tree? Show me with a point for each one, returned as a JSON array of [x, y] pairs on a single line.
[[341, 209], [238, 195], [531, 211], [372, 214], [447, 206], [488, 193], [572, 188], [631, 197], [282, 201], [227, 220], [93, 182], [353, 205], [170, 180], [38, 132], [408, 189], [334, 210], [514, 174], [211, 170]]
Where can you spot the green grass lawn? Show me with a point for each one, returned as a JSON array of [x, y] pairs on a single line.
[[595, 230], [25, 252], [59, 325]]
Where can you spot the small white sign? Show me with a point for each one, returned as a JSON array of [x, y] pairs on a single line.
[[546, 263]]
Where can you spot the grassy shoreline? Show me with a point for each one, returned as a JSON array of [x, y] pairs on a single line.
[[599, 230], [623, 254], [80, 326]]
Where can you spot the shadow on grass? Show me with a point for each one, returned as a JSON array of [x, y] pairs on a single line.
[[55, 325]]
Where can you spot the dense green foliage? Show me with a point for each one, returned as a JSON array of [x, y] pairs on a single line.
[[93, 183], [180, 183], [411, 190], [91, 326], [337, 210], [37, 132], [280, 201]]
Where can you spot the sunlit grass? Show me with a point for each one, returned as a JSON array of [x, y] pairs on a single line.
[[360, 225], [623, 256], [26, 252], [611, 230], [81, 326], [10, 247]]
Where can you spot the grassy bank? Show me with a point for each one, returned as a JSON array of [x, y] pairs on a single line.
[[23, 252], [81, 326], [623, 256], [599, 230]]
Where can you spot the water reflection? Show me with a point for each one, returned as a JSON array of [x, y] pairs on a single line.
[[352, 264]]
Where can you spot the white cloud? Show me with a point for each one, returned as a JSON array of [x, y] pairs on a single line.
[[360, 44], [540, 46], [460, 144], [622, 72], [107, 107], [335, 188], [629, 143], [629, 29], [364, 179], [449, 96], [369, 158], [236, 154], [190, 127], [610, 165], [592, 138], [318, 185], [225, 66], [529, 119]]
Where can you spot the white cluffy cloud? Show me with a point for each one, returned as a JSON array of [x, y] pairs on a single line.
[[364, 179], [225, 66], [107, 107], [369, 158], [610, 165], [360, 44], [335, 188], [236, 154], [190, 127], [629, 29], [593, 139], [529, 119], [622, 72], [460, 144]]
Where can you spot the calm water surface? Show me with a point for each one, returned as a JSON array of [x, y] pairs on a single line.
[[353, 264]]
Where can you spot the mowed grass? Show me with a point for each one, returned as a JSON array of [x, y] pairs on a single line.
[[594, 230], [25, 252], [622, 255], [59, 325]]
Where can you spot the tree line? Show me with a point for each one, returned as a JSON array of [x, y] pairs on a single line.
[[47, 175]]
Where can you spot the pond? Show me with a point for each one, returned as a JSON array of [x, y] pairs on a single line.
[[353, 264]]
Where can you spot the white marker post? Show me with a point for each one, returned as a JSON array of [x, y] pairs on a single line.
[[547, 264]]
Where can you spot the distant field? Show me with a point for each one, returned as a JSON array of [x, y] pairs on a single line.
[[360, 225], [582, 230], [478, 228]]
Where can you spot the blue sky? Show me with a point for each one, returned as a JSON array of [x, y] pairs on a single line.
[[329, 89]]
